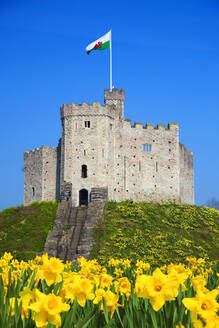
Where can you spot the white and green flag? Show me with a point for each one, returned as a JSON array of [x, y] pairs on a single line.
[[101, 44]]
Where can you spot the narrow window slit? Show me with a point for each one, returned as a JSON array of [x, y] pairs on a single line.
[[87, 124], [84, 171]]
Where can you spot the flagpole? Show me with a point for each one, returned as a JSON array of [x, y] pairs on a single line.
[[111, 73]]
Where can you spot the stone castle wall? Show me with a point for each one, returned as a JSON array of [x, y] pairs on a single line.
[[147, 163], [91, 146], [134, 162], [49, 179], [40, 175], [33, 170], [186, 176]]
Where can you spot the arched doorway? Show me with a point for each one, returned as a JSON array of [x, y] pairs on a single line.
[[83, 197]]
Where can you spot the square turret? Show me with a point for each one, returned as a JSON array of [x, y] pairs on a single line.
[[115, 98]]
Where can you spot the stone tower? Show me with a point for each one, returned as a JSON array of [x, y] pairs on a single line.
[[99, 148]]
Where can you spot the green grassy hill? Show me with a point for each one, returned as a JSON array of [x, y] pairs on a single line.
[[23, 230], [157, 233]]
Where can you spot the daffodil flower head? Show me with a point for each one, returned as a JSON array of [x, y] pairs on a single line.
[[158, 288]]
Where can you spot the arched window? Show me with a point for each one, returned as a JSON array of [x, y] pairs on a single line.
[[33, 191], [84, 171]]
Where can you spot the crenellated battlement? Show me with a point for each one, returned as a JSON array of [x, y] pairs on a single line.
[[85, 107], [115, 97], [32, 151], [37, 150], [115, 94], [150, 126]]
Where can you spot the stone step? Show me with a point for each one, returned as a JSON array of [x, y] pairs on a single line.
[[71, 236]]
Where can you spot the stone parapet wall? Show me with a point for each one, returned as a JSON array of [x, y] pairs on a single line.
[[66, 191], [99, 195], [186, 176], [56, 234], [149, 126], [93, 110], [114, 95]]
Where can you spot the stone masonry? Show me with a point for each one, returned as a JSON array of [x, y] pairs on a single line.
[[100, 148], [72, 234]]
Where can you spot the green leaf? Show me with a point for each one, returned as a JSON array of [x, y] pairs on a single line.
[[153, 318], [117, 312], [32, 282], [105, 311], [86, 321]]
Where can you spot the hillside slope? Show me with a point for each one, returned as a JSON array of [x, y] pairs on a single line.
[[23, 230], [158, 233]]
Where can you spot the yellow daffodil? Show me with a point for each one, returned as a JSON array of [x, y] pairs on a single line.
[[118, 272], [82, 261], [199, 283], [110, 298], [126, 263], [123, 286], [105, 280], [82, 288], [204, 305], [201, 261], [113, 262], [47, 309], [143, 265], [51, 270], [7, 256], [158, 288], [180, 277], [138, 271], [99, 294], [28, 297]]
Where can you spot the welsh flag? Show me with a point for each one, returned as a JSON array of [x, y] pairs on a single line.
[[101, 44]]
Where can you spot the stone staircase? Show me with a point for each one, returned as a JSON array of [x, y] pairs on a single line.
[[79, 221], [71, 236]]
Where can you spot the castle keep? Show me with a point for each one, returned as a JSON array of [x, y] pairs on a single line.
[[100, 148]]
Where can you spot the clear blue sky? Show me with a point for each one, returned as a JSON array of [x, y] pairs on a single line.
[[165, 56]]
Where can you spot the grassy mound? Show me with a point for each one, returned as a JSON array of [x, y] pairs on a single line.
[[158, 233], [23, 230]]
